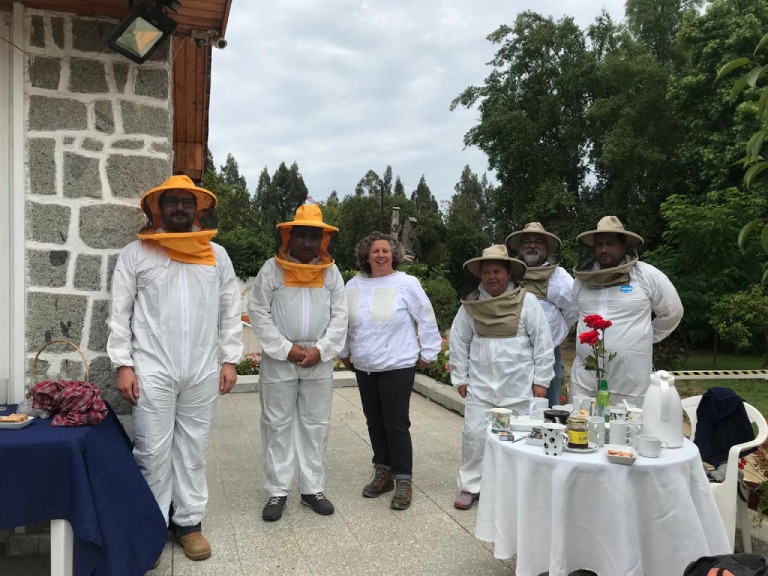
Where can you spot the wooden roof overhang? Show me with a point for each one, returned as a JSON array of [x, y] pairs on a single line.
[[191, 67]]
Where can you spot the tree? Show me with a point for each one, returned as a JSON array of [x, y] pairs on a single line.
[[241, 228], [399, 188], [465, 239], [741, 318], [423, 197], [278, 198], [230, 173], [532, 119], [700, 257]]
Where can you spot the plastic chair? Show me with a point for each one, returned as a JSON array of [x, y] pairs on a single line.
[[726, 493]]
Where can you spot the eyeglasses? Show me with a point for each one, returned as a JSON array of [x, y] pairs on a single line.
[[185, 202], [532, 242]]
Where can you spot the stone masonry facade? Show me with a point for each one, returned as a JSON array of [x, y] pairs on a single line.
[[98, 135]]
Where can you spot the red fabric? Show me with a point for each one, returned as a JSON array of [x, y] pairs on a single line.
[[74, 403]]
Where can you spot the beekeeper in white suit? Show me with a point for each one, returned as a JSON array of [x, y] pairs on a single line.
[[613, 283], [175, 338], [298, 309], [501, 355]]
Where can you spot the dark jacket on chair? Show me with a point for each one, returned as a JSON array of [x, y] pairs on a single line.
[[722, 422]]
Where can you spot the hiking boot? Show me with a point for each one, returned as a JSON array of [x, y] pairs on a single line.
[[382, 482], [401, 499], [318, 502], [273, 511], [465, 500], [196, 546]]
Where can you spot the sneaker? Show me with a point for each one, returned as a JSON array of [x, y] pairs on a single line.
[[465, 500], [382, 482], [196, 546], [273, 511], [318, 502], [401, 499]]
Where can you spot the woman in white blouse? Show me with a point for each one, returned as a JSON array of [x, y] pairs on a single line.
[[392, 331]]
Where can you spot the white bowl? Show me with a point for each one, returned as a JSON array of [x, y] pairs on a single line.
[[616, 459]]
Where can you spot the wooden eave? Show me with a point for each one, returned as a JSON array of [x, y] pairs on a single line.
[[191, 67]]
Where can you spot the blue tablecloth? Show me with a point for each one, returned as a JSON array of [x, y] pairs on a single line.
[[85, 475]]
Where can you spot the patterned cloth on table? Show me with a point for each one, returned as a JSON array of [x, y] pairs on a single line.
[[73, 403]]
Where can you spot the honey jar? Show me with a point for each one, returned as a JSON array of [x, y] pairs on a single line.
[[577, 429]]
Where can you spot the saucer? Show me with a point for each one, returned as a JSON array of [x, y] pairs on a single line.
[[592, 447]]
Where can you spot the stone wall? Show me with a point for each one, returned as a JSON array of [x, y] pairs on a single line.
[[98, 136]]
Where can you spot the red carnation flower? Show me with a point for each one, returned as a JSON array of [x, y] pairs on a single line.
[[601, 324], [590, 320], [591, 338]]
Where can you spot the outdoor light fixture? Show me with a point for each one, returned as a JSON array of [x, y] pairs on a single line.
[[145, 27]]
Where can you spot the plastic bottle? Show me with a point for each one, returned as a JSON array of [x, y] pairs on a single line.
[[603, 400]]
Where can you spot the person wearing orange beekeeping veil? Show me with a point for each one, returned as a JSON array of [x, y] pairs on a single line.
[[175, 338], [298, 309]]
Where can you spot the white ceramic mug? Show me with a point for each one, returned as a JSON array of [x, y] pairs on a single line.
[[650, 446], [555, 438], [498, 418], [537, 405], [619, 432], [581, 403], [596, 430], [617, 413], [566, 407]]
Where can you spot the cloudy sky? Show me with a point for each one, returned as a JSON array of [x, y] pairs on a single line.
[[344, 86]]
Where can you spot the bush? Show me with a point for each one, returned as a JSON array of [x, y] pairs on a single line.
[[249, 365], [440, 369]]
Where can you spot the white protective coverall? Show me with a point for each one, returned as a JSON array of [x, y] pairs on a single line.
[[499, 372], [165, 322], [629, 307], [296, 401]]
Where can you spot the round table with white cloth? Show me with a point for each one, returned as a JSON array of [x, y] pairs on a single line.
[[579, 511]]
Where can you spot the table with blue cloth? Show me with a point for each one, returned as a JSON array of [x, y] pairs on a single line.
[[87, 476]]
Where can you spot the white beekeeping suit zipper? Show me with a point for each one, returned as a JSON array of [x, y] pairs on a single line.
[[184, 323], [305, 315]]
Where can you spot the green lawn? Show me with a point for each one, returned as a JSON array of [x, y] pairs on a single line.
[[703, 361]]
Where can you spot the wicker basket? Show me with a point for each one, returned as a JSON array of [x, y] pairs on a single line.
[[33, 370]]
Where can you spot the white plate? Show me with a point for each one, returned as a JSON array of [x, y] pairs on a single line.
[[621, 459], [592, 448], [535, 441], [524, 424], [16, 425]]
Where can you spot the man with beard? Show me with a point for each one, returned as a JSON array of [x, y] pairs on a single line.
[[175, 338], [637, 298], [298, 309], [551, 284]]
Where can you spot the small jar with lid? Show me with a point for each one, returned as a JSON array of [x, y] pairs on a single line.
[[578, 432]]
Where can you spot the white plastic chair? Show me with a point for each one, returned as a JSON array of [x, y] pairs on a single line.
[[725, 493]]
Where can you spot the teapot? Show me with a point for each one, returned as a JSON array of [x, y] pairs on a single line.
[[663, 410]]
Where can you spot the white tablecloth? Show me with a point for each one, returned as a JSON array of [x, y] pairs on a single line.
[[579, 511]]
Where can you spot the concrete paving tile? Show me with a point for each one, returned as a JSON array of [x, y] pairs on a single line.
[[208, 568], [350, 561], [270, 553], [337, 536]]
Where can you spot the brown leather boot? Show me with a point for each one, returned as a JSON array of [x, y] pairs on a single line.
[[196, 546], [401, 499], [382, 482]]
